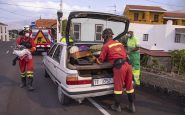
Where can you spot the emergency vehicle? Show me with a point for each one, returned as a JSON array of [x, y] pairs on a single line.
[[42, 39]]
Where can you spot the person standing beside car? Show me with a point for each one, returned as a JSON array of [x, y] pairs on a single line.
[[134, 56], [115, 52]]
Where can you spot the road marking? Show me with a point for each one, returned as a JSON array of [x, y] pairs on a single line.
[[98, 106], [7, 51]]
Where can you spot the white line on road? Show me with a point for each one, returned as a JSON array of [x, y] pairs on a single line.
[[98, 106], [7, 51]]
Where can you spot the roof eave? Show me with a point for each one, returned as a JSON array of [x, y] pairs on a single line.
[[174, 18], [147, 10]]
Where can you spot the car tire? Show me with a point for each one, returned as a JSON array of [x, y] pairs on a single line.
[[46, 75], [63, 99]]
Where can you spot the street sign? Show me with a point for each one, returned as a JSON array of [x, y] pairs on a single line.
[[40, 38]]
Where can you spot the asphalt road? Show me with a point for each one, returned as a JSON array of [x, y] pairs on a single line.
[[44, 101]]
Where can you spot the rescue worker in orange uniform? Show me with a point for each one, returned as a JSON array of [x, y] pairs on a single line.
[[115, 52], [26, 64]]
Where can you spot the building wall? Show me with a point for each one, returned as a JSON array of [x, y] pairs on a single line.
[[88, 27], [148, 18], [4, 34], [160, 37]]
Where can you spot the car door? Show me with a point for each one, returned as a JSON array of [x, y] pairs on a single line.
[[48, 61], [55, 63]]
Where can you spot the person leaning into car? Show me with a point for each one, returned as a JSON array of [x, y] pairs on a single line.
[[115, 52]]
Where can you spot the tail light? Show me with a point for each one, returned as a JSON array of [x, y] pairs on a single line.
[[73, 80]]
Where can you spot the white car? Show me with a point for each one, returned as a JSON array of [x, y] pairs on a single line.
[[75, 80]]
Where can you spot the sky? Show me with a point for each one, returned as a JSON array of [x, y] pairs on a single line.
[[17, 13]]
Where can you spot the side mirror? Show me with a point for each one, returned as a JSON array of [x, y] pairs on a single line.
[[44, 53]]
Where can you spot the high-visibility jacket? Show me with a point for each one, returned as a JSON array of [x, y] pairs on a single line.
[[113, 50], [63, 40], [134, 57]]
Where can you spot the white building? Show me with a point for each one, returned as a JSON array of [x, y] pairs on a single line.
[[160, 36], [90, 29], [4, 34]]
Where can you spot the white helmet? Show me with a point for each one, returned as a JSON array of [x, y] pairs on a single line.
[[26, 28], [73, 49]]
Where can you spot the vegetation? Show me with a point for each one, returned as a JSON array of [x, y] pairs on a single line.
[[178, 61]]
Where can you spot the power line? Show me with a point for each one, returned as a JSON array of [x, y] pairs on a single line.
[[27, 6], [14, 12], [166, 4]]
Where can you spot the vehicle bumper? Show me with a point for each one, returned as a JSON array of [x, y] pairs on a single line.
[[89, 93]]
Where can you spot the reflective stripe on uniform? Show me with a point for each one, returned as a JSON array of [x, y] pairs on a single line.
[[29, 74], [118, 92], [130, 91], [115, 44], [136, 74], [23, 74]]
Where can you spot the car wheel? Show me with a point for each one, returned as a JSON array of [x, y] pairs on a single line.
[[46, 75], [63, 99]]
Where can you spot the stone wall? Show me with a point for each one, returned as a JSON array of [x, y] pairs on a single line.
[[164, 81]]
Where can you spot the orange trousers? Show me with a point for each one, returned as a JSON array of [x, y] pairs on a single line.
[[123, 79], [26, 67]]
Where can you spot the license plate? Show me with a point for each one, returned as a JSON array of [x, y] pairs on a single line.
[[39, 49], [102, 81]]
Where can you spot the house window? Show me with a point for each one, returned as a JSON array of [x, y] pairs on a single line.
[[175, 22], [1, 37], [77, 31], [5, 37], [5, 29], [98, 31], [145, 37], [156, 17], [143, 16], [136, 16], [177, 38]]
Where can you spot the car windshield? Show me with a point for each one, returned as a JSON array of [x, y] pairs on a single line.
[[87, 29]]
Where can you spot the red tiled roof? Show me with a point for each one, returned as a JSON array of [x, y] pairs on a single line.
[[139, 7], [174, 15], [46, 23], [155, 53]]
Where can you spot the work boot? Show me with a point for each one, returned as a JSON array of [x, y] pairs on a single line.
[[116, 106], [131, 106], [30, 81], [23, 82]]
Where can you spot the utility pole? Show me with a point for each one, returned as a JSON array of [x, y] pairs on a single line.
[[114, 8], [61, 5], [59, 24]]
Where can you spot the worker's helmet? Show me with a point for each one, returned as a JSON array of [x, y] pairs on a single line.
[[73, 49], [27, 28], [107, 33]]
